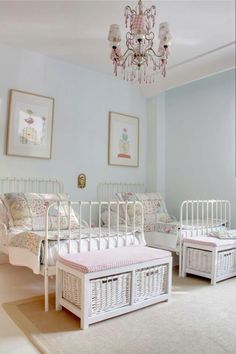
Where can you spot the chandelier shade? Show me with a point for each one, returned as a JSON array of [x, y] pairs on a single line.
[[114, 35], [140, 62]]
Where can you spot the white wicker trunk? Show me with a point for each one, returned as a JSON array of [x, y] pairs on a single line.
[[96, 296], [216, 263]]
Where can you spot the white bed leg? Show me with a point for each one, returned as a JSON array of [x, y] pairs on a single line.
[[58, 288], [213, 267], [169, 279], [183, 272], [180, 260], [84, 302], [46, 302]]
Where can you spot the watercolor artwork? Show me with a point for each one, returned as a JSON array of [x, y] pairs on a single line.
[[30, 125], [123, 147]]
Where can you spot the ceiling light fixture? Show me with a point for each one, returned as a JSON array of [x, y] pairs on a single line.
[[139, 61]]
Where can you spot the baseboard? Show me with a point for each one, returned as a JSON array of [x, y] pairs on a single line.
[[4, 258]]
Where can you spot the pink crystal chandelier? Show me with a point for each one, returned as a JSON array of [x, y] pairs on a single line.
[[140, 62]]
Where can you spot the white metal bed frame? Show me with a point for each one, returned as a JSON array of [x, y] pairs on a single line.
[[107, 190], [36, 185], [196, 215], [46, 270], [31, 185], [201, 216]]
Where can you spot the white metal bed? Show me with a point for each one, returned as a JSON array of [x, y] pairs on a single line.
[[197, 217], [113, 236], [33, 185], [106, 191], [202, 217]]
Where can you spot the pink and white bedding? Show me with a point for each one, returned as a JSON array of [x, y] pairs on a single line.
[[170, 240], [32, 244], [161, 229], [24, 214]]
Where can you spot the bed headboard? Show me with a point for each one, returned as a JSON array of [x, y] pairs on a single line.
[[106, 190], [30, 185]]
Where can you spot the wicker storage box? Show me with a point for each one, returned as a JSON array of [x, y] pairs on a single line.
[[201, 260], [105, 291], [71, 288], [150, 282], [105, 294], [226, 262], [112, 292], [109, 293]]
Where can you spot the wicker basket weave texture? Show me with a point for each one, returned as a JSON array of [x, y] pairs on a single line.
[[150, 282], [226, 262], [71, 288], [112, 292], [201, 260], [109, 293]]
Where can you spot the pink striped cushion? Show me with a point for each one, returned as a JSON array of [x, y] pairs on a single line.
[[89, 262], [210, 241]]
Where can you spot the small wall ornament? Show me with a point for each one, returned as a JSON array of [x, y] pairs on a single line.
[[82, 180]]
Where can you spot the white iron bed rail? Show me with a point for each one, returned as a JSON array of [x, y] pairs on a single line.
[[107, 190], [30, 185], [135, 226], [200, 217]]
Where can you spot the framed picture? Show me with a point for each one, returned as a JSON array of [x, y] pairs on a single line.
[[30, 125], [123, 147]]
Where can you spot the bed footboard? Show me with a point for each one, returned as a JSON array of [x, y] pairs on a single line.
[[125, 219], [200, 217]]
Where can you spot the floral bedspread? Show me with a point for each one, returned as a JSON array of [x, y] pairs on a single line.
[[168, 228], [34, 241]]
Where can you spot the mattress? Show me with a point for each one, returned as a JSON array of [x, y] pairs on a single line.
[[170, 241], [192, 225], [28, 248]]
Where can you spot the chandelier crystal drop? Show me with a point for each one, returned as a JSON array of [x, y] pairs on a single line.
[[140, 62]]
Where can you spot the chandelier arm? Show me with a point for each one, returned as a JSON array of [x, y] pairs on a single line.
[[129, 14], [153, 61], [150, 14], [129, 46], [149, 36], [129, 11], [124, 57], [127, 52], [153, 52]]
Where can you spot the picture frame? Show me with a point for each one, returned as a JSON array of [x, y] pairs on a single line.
[[123, 141], [30, 125]]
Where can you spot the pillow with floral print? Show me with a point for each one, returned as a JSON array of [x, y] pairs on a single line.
[[28, 211]]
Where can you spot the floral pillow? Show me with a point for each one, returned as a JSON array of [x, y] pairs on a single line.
[[131, 209], [3, 214], [28, 211], [113, 214], [153, 203]]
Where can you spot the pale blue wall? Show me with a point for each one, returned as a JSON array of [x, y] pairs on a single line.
[[200, 141], [83, 99]]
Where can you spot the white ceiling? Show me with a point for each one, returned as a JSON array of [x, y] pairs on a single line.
[[76, 32]]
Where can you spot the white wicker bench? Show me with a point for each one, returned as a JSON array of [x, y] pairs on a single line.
[[209, 257], [102, 284]]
